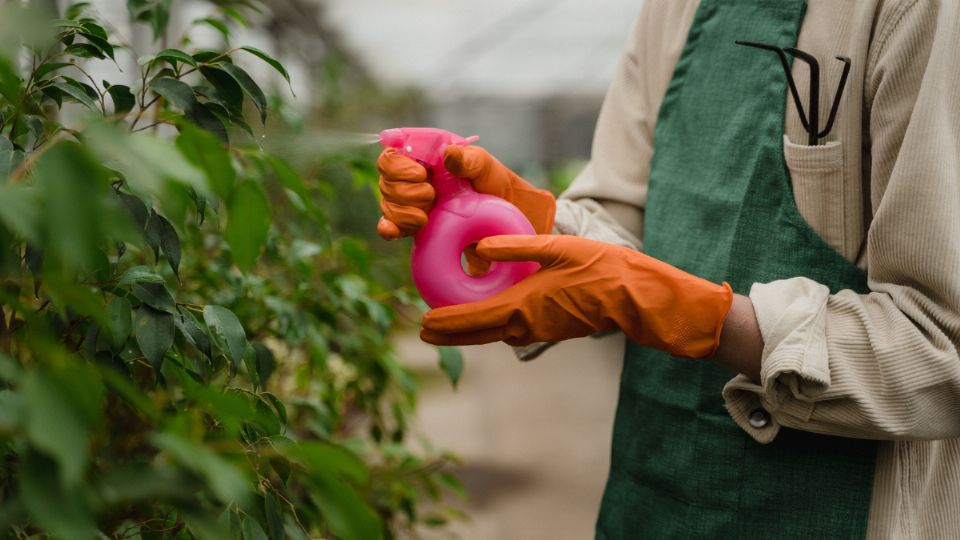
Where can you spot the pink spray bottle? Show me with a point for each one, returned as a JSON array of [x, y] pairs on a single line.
[[460, 217]]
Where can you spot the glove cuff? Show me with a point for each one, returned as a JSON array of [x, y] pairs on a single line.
[[701, 340]]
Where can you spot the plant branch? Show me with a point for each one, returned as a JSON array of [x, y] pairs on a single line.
[[143, 109], [103, 104], [155, 124]]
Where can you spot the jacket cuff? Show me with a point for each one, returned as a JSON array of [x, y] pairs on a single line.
[[794, 367]]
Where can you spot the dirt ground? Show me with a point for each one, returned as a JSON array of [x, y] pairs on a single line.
[[534, 437]]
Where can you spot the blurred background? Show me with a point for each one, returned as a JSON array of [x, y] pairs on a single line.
[[528, 77]]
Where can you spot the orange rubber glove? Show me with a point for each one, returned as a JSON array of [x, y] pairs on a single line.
[[408, 197], [582, 288]]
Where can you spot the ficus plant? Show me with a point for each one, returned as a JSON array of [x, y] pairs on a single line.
[[189, 348]]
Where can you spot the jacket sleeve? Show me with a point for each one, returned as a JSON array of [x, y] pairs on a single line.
[[606, 200], [882, 365]]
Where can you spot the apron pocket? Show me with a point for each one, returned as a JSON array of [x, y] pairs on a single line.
[[816, 173]]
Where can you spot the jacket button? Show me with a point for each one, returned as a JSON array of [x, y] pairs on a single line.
[[759, 418]]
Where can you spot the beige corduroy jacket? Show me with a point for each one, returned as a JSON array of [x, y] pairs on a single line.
[[884, 191]]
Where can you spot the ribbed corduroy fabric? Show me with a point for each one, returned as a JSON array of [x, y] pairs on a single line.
[[884, 191]]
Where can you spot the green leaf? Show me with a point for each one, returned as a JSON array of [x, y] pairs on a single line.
[[178, 93], [147, 162], [252, 530], [20, 210], [227, 332], [248, 223], [192, 332], [217, 25], [235, 15], [123, 99], [67, 396], [202, 525], [10, 158], [154, 332], [64, 512], [278, 406], [100, 43], [209, 154], [273, 63], [200, 202], [266, 363], [86, 88], [156, 13], [210, 57], [151, 234], [155, 295], [451, 362], [138, 210], [85, 50], [140, 274], [204, 117], [347, 515], [228, 91], [76, 9], [9, 81], [91, 27], [78, 95], [228, 117], [453, 484], [274, 514], [169, 242], [65, 23], [226, 481], [249, 86], [173, 56], [327, 459], [46, 69], [78, 213], [119, 316]]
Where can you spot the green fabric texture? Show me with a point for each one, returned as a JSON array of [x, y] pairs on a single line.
[[720, 206]]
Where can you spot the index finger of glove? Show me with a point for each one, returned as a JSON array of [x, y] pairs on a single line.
[[483, 315], [480, 337], [519, 247], [395, 166]]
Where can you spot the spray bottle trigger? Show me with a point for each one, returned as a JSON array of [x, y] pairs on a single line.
[[471, 139]]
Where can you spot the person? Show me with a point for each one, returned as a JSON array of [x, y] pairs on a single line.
[[826, 275]]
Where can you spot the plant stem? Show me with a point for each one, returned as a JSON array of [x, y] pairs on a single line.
[[103, 105], [143, 109], [155, 124]]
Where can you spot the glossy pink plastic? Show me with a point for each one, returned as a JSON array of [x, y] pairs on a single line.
[[460, 217]]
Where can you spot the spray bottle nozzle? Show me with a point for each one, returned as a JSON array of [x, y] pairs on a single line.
[[392, 138], [423, 144]]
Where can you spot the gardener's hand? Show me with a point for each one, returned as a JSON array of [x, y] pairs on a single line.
[[408, 197], [586, 287]]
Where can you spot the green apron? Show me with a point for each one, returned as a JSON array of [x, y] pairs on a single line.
[[720, 206]]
